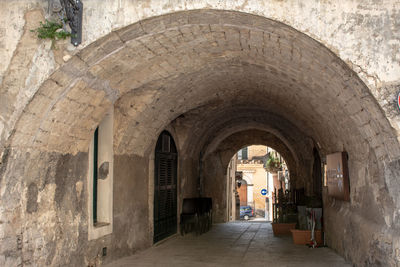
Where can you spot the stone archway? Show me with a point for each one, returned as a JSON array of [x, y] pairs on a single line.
[[134, 63], [199, 72], [216, 161]]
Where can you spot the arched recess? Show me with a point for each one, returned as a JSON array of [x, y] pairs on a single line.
[[209, 129], [167, 67], [165, 187], [216, 162]]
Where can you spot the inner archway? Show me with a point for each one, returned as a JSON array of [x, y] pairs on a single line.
[[261, 175], [221, 185]]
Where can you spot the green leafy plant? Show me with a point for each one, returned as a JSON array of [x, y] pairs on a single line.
[[273, 164], [51, 30]]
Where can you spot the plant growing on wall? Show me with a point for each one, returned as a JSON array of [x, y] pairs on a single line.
[[51, 30], [273, 164]]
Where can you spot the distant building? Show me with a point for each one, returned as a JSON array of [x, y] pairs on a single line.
[[251, 162]]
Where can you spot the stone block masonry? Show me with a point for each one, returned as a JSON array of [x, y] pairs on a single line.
[[295, 75]]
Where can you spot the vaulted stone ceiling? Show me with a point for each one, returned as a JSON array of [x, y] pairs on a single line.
[[156, 70]]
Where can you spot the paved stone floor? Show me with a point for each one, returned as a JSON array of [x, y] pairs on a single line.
[[233, 244]]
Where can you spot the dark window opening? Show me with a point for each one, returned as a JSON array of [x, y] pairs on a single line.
[[245, 153]]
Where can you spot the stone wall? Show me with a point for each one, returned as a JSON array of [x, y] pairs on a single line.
[[131, 212], [363, 229], [43, 209], [315, 69], [44, 215]]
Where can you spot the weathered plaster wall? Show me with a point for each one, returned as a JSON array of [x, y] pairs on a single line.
[[44, 217], [43, 209], [30, 65], [132, 231], [345, 28], [229, 58], [362, 229], [188, 177], [214, 185]]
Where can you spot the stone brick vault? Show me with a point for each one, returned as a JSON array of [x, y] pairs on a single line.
[[218, 75]]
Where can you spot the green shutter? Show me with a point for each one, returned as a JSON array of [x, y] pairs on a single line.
[[95, 165], [165, 188], [245, 153]]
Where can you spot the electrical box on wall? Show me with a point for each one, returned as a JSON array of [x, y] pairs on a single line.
[[337, 175]]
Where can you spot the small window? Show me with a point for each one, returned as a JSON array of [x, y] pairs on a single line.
[[239, 154], [100, 179], [242, 154], [245, 153]]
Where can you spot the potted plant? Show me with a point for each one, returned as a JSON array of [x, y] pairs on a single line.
[[273, 164], [309, 223], [285, 214], [303, 237], [284, 226]]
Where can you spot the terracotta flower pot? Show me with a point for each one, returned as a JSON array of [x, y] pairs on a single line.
[[303, 237], [282, 228]]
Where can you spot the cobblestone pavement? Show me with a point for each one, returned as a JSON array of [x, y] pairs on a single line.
[[233, 244]]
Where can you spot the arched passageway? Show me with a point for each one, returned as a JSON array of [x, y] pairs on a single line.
[[216, 80], [256, 176]]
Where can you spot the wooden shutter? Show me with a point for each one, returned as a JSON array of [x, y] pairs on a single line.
[[165, 188]]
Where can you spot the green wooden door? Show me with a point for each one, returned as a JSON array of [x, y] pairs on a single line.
[[165, 187]]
